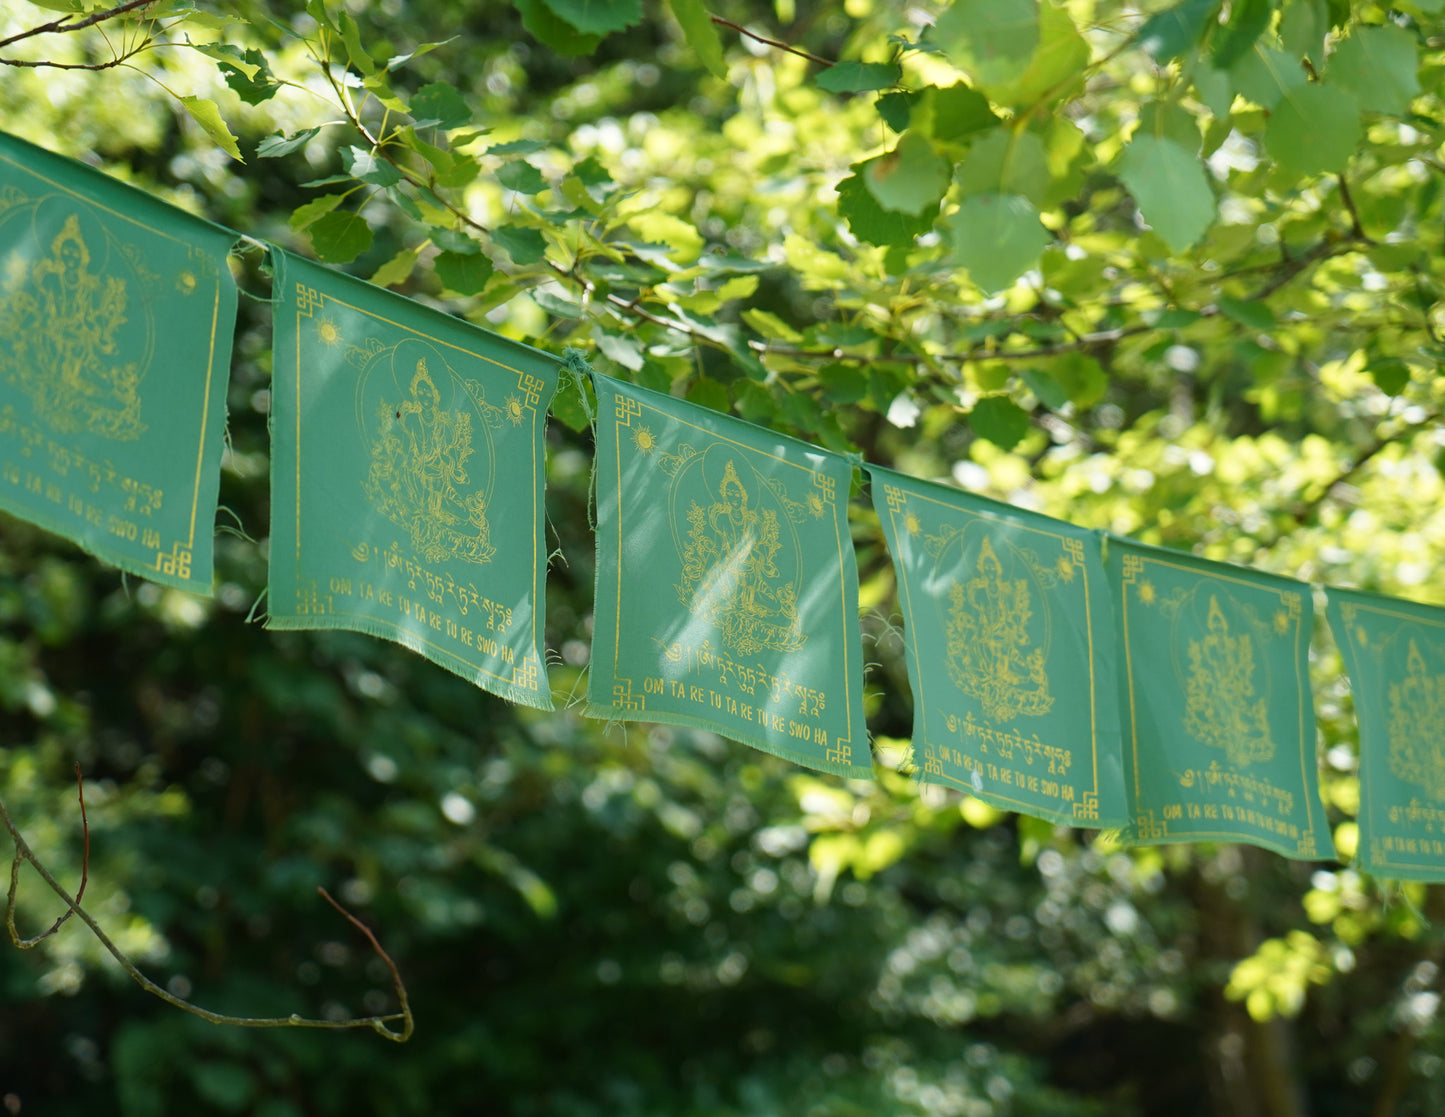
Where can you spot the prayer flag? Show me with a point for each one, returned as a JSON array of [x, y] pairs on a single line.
[[1394, 652], [1219, 730], [406, 492], [116, 317], [727, 590], [1009, 634]]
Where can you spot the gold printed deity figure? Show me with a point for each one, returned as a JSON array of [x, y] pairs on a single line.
[[990, 657], [730, 573], [418, 478], [61, 322], [1221, 708], [1417, 706]]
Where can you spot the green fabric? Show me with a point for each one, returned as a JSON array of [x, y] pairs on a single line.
[[406, 491], [1394, 652], [1219, 730], [1009, 637], [727, 591], [116, 317]]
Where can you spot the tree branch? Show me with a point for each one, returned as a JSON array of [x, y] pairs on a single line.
[[741, 30], [23, 853], [63, 25]]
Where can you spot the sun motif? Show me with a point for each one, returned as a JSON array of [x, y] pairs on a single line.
[[1281, 622], [1065, 567], [186, 282], [513, 408], [327, 331], [1147, 593], [911, 524], [814, 504], [643, 439]]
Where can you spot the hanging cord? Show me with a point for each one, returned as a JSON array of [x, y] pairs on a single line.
[[575, 361], [245, 244]]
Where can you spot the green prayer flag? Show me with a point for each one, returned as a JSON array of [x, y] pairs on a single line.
[[406, 490], [1394, 652], [1009, 639], [727, 589], [116, 318], [1219, 729]]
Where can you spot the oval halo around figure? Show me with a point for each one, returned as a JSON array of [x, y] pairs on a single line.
[[76, 329], [428, 435], [741, 566]]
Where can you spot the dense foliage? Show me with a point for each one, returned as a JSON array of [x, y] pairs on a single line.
[[1175, 272]]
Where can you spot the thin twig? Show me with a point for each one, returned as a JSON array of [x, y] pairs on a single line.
[[741, 30], [1356, 227], [63, 24], [23, 853]]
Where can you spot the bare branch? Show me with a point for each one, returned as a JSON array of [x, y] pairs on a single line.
[[741, 30], [23, 853], [63, 24]]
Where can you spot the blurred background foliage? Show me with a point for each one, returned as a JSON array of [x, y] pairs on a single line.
[[637, 920]]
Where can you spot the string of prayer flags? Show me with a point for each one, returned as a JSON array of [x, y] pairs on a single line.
[[1394, 653], [1219, 731], [406, 495], [1009, 637], [116, 318], [727, 589]]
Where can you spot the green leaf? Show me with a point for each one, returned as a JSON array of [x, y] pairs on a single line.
[[843, 383], [1247, 21], [896, 108], [1264, 75], [597, 17], [1050, 392], [701, 34], [992, 40], [398, 268], [397, 61], [273, 147], [1314, 128], [1302, 28], [208, 116], [1005, 162], [552, 32], [1081, 377], [366, 167], [1057, 66], [1180, 29], [339, 237], [313, 210], [1170, 121], [997, 237], [999, 420], [624, 350], [682, 240], [1378, 65], [1171, 187], [439, 103], [1247, 312], [1214, 90], [355, 49], [958, 112], [860, 77], [910, 179], [521, 176], [524, 246], [556, 301], [1390, 374], [771, 326], [464, 273], [707, 392], [255, 83]]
